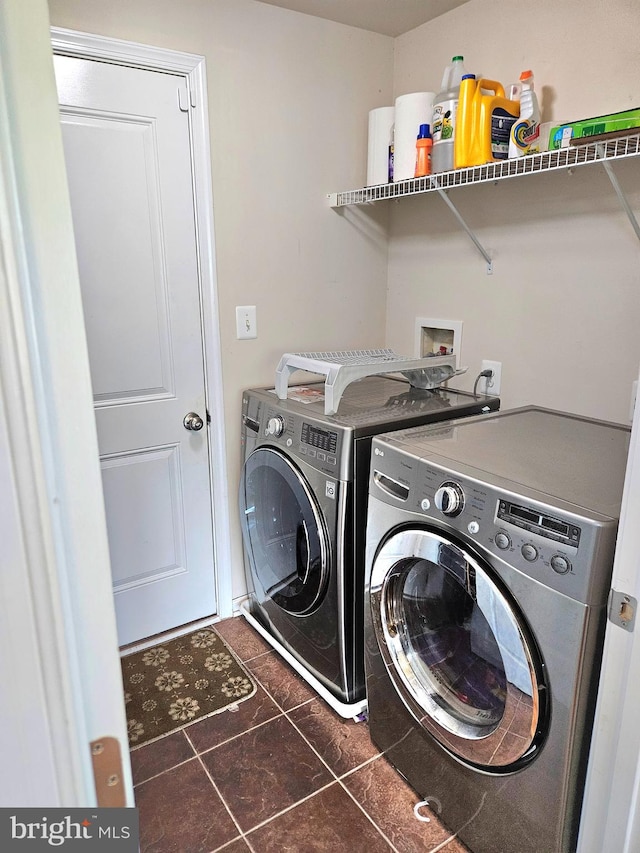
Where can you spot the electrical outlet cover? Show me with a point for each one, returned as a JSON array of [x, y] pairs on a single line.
[[491, 386]]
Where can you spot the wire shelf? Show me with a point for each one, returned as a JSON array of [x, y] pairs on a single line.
[[547, 161]]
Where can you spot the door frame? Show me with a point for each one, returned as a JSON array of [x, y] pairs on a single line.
[[192, 68], [57, 631]]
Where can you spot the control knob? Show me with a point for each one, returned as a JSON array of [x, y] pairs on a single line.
[[275, 426], [502, 540], [449, 499], [560, 564]]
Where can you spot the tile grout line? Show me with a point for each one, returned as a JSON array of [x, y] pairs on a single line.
[[336, 778], [282, 713], [235, 737], [222, 800], [435, 849], [350, 772], [289, 808], [167, 770], [197, 753], [363, 810], [245, 660], [237, 656]]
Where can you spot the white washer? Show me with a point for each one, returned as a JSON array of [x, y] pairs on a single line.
[[490, 546]]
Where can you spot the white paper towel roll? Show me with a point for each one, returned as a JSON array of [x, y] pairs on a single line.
[[411, 111], [380, 133]]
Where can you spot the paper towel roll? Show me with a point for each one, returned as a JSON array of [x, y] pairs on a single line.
[[411, 111], [380, 134]]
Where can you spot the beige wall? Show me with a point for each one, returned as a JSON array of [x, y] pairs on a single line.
[[288, 101], [288, 98], [562, 308]]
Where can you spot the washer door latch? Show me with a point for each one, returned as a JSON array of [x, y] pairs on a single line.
[[622, 609]]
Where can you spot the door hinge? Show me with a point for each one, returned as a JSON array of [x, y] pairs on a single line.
[[107, 772], [622, 609]]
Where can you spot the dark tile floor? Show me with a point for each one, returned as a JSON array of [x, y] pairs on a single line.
[[283, 772]]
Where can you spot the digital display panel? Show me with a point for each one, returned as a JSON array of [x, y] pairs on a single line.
[[540, 523], [321, 438]]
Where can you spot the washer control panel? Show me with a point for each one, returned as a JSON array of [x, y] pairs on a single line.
[[322, 439], [303, 438]]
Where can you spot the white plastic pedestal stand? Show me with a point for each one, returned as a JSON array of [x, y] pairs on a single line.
[[342, 368]]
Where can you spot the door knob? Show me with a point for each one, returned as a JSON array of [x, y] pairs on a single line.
[[193, 421]]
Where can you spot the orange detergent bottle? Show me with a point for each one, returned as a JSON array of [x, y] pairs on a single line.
[[484, 121], [424, 144]]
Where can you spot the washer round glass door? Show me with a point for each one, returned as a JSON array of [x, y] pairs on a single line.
[[457, 650], [283, 532]]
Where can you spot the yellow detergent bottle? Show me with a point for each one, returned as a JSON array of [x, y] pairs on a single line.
[[484, 121], [464, 122]]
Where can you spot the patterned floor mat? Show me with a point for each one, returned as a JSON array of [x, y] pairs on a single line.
[[173, 684]]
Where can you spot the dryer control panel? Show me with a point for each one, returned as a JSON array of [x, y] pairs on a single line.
[[531, 519], [556, 545]]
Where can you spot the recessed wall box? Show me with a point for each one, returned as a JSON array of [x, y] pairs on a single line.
[[438, 337]]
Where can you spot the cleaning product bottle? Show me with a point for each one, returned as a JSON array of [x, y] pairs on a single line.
[[424, 145], [445, 105], [464, 122], [488, 117], [525, 133]]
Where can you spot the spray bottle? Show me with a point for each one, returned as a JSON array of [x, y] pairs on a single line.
[[445, 105], [525, 133]]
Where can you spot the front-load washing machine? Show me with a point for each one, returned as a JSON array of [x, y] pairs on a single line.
[[303, 495], [490, 546]]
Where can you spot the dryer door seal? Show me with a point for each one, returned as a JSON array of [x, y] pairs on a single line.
[[284, 533], [457, 650]]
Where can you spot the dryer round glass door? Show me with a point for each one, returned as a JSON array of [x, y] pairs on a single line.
[[283, 532], [457, 650]]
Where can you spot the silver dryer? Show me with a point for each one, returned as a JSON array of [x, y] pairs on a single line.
[[490, 545]]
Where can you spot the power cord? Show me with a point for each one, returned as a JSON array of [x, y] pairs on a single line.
[[487, 374]]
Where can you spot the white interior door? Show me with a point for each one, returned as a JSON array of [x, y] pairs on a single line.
[[127, 149]]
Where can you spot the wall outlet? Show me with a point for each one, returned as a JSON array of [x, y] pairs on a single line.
[[246, 322], [491, 385]]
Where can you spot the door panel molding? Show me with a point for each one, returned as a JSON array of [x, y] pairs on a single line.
[[192, 68], [159, 552], [128, 146]]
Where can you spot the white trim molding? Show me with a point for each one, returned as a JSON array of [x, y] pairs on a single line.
[[610, 815], [59, 643]]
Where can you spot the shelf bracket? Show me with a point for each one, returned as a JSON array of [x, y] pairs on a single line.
[[621, 196], [443, 195]]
